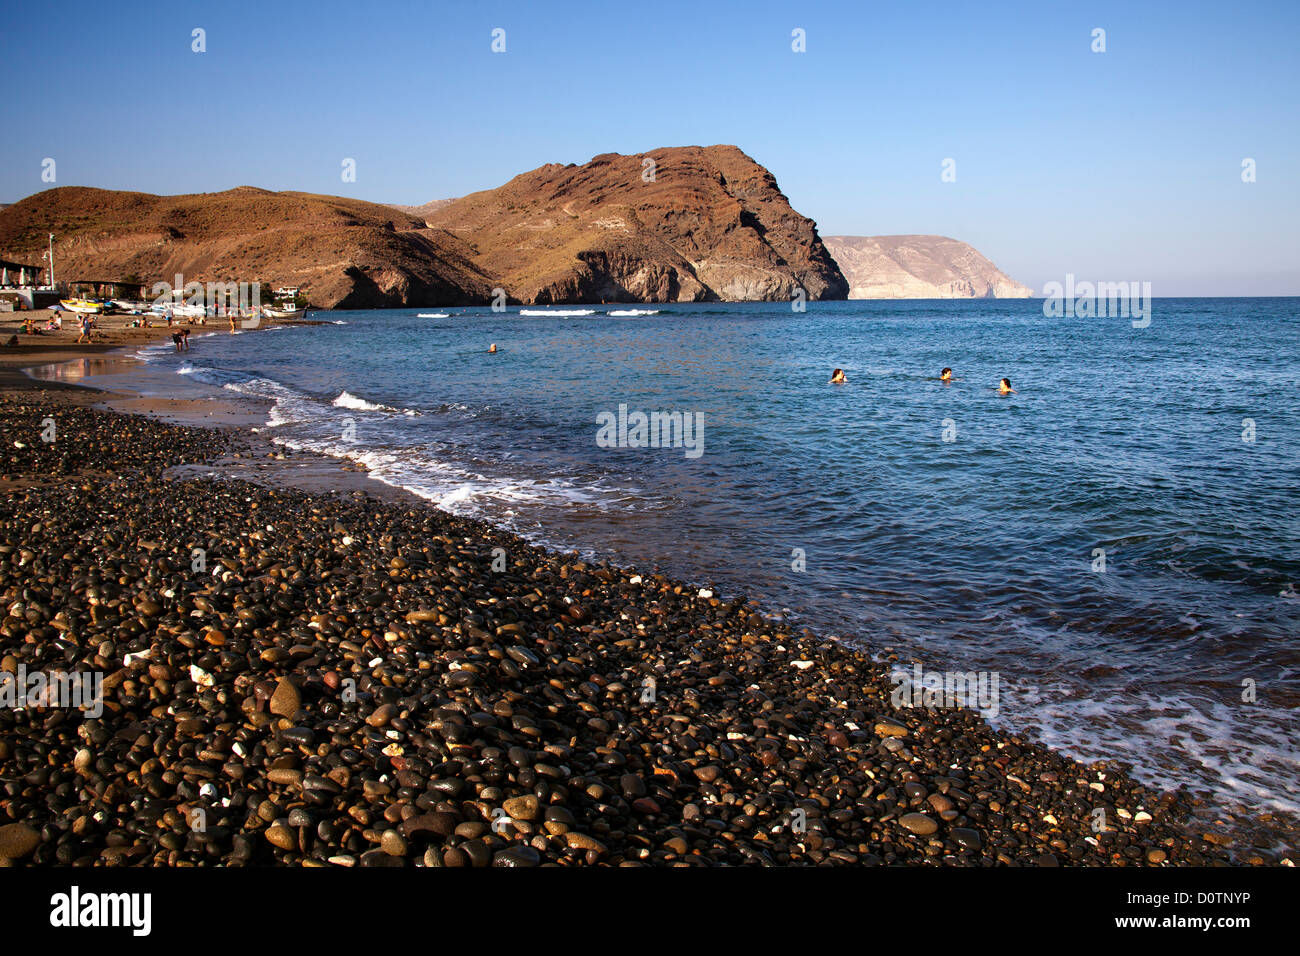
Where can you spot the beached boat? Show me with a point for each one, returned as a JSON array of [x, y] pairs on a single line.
[[83, 306], [282, 312], [178, 311]]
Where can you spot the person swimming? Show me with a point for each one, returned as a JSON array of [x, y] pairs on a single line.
[[1004, 387], [945, 375], [493, 348], [837, 377]]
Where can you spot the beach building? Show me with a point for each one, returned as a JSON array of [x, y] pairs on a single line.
[[20, 286]]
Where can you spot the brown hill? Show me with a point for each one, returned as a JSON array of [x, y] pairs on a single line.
[[711, 224], [919, 267], [344, 253]]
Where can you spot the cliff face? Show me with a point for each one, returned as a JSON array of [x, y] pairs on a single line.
[[919, 267], [345, 253], [711, 224]]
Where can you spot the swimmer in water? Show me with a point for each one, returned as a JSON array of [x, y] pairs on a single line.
[[493, 348], [837, 377], [945, 375], [1004, 387]]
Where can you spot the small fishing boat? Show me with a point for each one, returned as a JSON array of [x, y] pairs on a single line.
[[83, 306], [282, 311], [179, 310]]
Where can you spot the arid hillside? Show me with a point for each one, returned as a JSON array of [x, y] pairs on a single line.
[[344, 252], [674, 225]]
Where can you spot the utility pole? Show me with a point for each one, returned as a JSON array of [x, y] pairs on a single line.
[[51, 260]]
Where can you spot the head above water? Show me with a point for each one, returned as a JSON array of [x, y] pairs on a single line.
[[945, 374], [837, 375]]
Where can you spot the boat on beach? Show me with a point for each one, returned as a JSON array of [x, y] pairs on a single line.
[[83, 306], [179, 311]]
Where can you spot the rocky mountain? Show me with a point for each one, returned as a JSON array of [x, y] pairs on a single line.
[[681, 224], [344, 253], [919, 267]]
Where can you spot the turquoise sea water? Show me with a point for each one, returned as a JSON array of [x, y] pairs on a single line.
[[845, 505]]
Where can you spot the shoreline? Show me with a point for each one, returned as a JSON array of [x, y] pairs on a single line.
[[849, 738]]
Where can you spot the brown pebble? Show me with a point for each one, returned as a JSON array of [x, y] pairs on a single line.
[[17, 840], [580, 841], [918, 823], [527, 807], [282, 837], [286, 701]]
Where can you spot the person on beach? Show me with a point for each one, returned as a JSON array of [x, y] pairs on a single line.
[[232, 321], [945, 375], [185, 340], [177, 338], [85, 331], [1004, 387], [837, 377]]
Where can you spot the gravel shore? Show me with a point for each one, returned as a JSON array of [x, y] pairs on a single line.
[[340, 680]]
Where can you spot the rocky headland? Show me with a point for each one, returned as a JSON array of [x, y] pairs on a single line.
[[919, 267]]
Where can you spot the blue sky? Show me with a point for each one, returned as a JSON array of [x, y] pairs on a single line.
[[1117, 165]]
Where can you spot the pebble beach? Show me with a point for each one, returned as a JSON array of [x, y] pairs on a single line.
[[348, 680]]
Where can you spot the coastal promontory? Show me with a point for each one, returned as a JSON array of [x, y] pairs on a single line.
[[682, 224], [919, 267]]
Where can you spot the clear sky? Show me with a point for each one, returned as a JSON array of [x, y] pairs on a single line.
[[1119, 165]]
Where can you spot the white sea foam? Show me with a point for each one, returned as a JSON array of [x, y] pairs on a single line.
[[451, 488], [348, 400], [433, 315], [626, 312], [557, 312]]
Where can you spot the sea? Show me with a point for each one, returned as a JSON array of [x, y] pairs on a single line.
[[1117, 542]]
